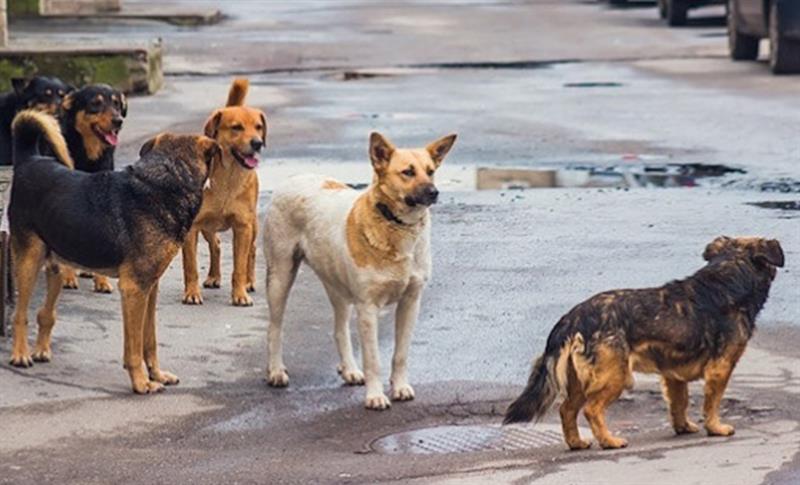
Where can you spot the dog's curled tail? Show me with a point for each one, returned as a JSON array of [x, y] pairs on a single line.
[[238, 92], [547, 381], [29, 129]]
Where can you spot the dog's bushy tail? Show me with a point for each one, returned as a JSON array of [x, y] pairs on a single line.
[[238, 92], [31, 128], [547, 381]]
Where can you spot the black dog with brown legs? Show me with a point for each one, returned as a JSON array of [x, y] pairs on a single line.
[[695, 328], [128, 225], [91, 123]]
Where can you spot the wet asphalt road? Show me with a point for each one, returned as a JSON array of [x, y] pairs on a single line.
[[507, 264]]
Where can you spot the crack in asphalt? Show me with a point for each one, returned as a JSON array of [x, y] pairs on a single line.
[[455, 65]]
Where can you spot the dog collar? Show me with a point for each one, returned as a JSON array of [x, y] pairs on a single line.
[[388, 214]]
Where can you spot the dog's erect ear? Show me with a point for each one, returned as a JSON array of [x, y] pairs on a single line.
[[212, 124], [68, 101], [438, 149], [263, 127], [123, 101], [716, 247], [19, 84], [380, 151], [148, 145], [769, 251]]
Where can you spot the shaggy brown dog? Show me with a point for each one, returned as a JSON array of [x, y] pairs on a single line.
[[230, 202], [127, 225], [686, 330]]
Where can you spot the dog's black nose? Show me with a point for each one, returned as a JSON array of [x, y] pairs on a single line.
[[116, 122], [256, 144], [429, 194]]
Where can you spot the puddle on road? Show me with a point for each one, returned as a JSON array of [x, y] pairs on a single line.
[[595, 176], [593, 85], [469, 439]]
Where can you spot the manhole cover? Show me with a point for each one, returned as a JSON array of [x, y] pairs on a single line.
[[470, 439]]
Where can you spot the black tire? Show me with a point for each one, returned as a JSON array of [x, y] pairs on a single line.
[[742, 47], [677, 12], [662, 9], [784, 54]]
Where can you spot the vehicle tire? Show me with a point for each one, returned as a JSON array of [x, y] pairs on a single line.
[[742, 47], [662, 9], [784, 54], [677, 12]]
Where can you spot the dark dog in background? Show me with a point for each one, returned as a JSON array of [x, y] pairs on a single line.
[[91, 123], [686, 330], [128, 224], [41, 93]]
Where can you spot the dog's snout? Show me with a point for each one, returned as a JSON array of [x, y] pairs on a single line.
[[428, 194], [116, 122], [256, 144]]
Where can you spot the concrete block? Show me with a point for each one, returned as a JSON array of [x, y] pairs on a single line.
[[79, 7], [132, 69]]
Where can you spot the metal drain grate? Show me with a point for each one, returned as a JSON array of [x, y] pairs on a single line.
[[469, 439]]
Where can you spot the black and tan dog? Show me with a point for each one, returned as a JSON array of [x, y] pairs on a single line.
[[91, 123], [686, 330], [40, 93], [127, 225]]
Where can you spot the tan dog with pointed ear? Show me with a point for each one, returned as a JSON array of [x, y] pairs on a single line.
[[230, 201], [370, 249]]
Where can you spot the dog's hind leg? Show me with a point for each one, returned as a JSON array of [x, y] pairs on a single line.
[[150, 343], [214, 279], [676, 393], [405, 319], [191, 288], [368, 331], [28, 256], [282, 266], [716, 375], [608, 378], [101, 284], [69, 277], [569, 410], [347, 367], [46, 317]]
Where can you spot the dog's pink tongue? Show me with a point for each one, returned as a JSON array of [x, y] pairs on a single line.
[[251, 161], [111, 138]]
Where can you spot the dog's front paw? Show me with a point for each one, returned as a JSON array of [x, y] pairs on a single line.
[[69, 281], [612, 443], [687, 428], [42, 355], [579, 445], [102, 285], [241, 299], [212, 282], [164, 377], [377, 402], [403, 392], [350, 376], [146, 386], [278, 377], [192, 297], [720, 429], [21, 359]]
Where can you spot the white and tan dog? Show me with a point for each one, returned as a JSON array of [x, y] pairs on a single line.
[[370, 249]]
